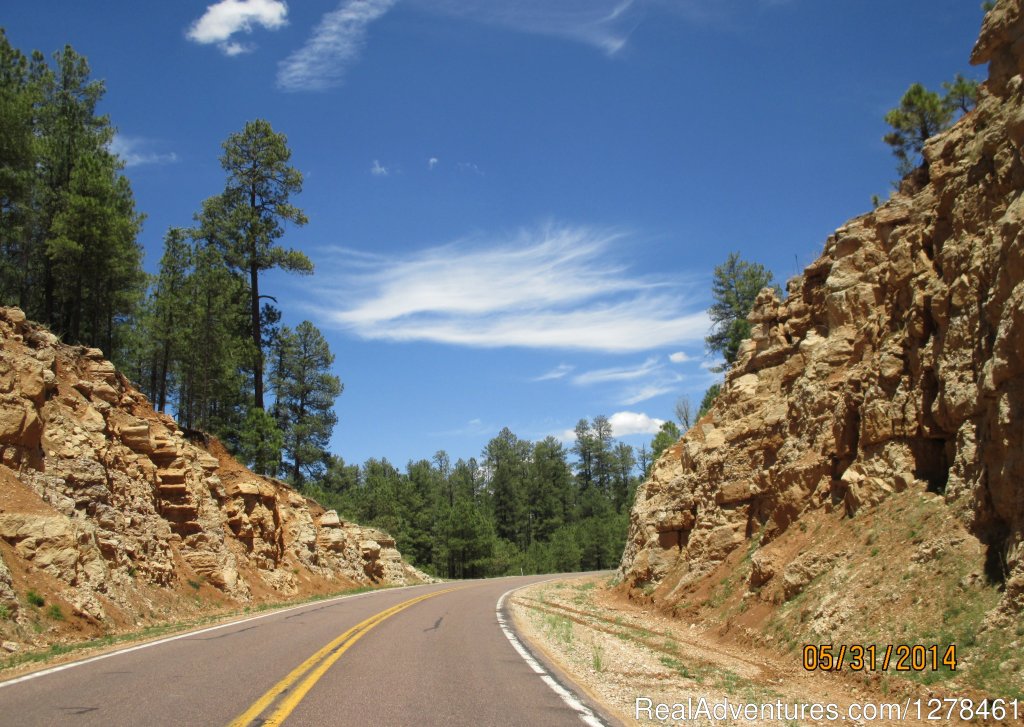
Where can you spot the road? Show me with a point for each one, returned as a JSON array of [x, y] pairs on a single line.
[[428, 655]]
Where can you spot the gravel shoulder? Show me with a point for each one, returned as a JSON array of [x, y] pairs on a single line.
[[619, 652]]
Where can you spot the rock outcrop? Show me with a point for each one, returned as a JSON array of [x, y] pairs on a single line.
[[895, 362], [108, 506]]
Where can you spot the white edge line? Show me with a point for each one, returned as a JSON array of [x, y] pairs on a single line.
[[187, 634], [581, 709]]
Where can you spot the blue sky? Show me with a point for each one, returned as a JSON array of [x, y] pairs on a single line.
[[516, 205]]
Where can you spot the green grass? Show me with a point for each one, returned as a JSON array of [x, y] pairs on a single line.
[[35, 599], [54, 612], [5, 612], [561, 627], [678, 667], [597, 654]]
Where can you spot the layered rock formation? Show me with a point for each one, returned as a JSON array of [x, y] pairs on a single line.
[[895, 362], [106, 504]]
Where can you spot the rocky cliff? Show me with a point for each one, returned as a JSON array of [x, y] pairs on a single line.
[[112, 516], [892, 370]]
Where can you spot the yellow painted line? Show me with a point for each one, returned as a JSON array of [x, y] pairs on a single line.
[[316, 666]]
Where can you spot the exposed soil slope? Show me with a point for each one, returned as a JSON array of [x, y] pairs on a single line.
[[110, 516]]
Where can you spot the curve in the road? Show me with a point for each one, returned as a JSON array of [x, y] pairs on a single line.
[[437, 658]]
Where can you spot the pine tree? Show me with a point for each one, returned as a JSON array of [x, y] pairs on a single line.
[[667, 435], [921, 115], [304, 391], [247, 219], [260, 442], [18, 97], [505, 457], [734, 288]]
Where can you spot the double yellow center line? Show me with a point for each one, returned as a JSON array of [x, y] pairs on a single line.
[[309, 672]]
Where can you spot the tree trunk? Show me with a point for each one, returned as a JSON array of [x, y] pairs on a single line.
[[257, 336]]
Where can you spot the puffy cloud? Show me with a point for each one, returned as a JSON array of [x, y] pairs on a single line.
[[379, 170], [224, 19], [630, 422]]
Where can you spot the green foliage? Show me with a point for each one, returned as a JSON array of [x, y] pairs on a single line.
[[35, 599], [734, 288], [709, 398], [246, 220], [304, 391], [520, 510], [55, 612], [667, 435], [961, 93], [68, 225], [260, 442], [922, 114]]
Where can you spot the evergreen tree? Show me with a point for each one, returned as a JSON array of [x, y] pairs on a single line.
[[585, 450], [212, 386], [667, 435], [709, 398], [961, 94], [623, 480], [18, 99], [734, 288], [168, 314], [921, 115], [505, 457], [549, 490], [260, 442], [246, 220], [68, 224], [304, 391]]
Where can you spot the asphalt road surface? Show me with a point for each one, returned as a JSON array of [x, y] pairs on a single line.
[[428, 655]]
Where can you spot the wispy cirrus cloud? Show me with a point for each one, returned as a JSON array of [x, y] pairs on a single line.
[[226, 18], [556, 288], [136, 151], [334, 45], [628, 373], [604, 24], [559, 372], [636, 383]]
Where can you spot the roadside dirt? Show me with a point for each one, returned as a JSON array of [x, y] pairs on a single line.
[[621, 653]]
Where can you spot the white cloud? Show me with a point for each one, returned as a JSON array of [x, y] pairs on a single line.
[[552, 288], [637, 383], [133, 152], [334, 45], [601, 376], [228, 17], [432, 162], [625, 423], [378, 170], [559, 372], [649, 391], [605, 24], [679, 357]]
